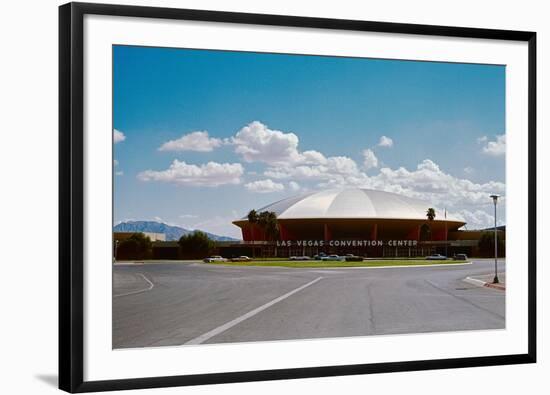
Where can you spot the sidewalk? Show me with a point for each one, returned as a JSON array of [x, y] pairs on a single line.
[[486, 280]]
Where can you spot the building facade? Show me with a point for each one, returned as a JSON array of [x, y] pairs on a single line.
[[120, 236], [355, 221]]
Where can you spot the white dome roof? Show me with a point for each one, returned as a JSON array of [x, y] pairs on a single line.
[[352, 203]]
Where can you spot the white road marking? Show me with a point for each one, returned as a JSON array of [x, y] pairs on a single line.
[[151, 285], [204, 337], [480, 283], [474, 281]]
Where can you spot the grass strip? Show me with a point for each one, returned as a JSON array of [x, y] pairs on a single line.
[[367, 263]]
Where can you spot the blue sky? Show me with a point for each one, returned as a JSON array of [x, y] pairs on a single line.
[[273, 125]]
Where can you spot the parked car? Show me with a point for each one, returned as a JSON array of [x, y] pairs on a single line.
[[300, 258], [436, 257], [460, 257], [214, 258], [333, 257], [319, 256], [353, 258], [242, 258]]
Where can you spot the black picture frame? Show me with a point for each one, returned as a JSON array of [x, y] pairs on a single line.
[[71, 181]]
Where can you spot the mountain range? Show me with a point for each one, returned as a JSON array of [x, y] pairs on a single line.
[[171, 232]]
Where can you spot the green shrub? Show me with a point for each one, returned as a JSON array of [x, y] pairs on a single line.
[[137, 246], [195, 245]]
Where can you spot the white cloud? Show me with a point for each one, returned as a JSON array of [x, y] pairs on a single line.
[[211, 174], [118, 136], [385, 142], [469, 170], [294, 186], [335, 167], [369, 159], [479, 219], [196, 141], [264, 186], [257, 143], [341, 165], [430, 183], [482, 139], [497, 147], [313, 157]]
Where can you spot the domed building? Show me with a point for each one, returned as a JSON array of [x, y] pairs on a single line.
[[353, 221], [353, 213]]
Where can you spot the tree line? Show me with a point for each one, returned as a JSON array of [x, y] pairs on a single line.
[[193, 245], [140, 247]]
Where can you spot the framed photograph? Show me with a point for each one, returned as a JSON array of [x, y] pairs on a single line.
[[250, 197]]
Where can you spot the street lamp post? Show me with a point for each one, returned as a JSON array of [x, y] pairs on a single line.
[[495, 198], [116, 248], [446, 236]]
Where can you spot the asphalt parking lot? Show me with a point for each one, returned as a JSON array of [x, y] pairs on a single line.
[[164, 304]]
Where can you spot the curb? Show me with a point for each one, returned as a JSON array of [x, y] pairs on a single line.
[[383, 267], [128, 263], [480, 283], [339, 267]]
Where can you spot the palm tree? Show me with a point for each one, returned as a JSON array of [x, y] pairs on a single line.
[[272, 228], [262, 219], [252, 216], [252, 220], [267, 220], [430, 214]]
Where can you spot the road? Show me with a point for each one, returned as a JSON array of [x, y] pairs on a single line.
[[165, 304]]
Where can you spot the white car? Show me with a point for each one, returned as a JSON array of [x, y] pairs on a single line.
[[214, 258], [436, 257], [242, 258], [333, 258], [300, 258]]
